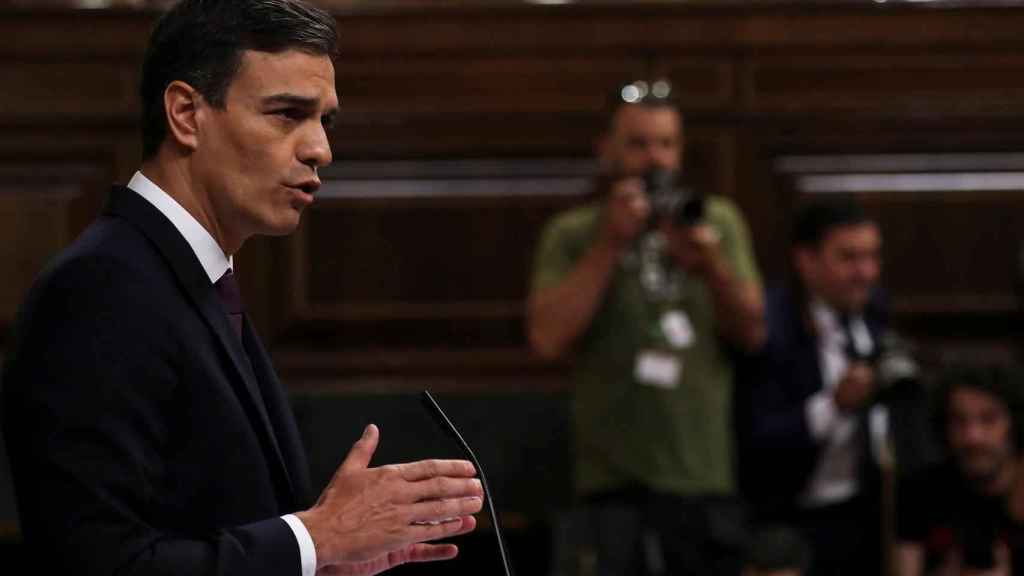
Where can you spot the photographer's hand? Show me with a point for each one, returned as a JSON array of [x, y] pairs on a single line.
[[739, 305], [857, 387], [558, 314], [695, 249], [625, 214]]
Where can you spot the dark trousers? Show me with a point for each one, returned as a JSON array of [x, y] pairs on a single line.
[[639, 532], [845, 538]]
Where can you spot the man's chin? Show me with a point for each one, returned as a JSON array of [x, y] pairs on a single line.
[[983, 476], [282, 227], [856, 303]]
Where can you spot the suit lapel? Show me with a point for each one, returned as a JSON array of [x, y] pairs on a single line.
[[805, 338], [128, 205], [281, 416]]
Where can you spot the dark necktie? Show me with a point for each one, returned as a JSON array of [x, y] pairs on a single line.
[[231, 298], [852, 352]]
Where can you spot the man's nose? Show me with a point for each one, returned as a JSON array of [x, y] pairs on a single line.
[[315, 150], [868, 269], [974, 434]]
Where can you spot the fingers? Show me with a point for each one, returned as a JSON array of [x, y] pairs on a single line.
[[864, 378], [626, 210], [433, 511], [700, 237], [627, 189], [706, 236], [438, 531], [432, 552], [458, 527], [362, 451], [425, 469], [445, 488], [468, 525], [860, 370], [630, 202]]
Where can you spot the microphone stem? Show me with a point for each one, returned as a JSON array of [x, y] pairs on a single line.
[[446, 424]]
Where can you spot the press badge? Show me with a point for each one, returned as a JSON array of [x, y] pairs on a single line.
[[658, 369], [677, 329]]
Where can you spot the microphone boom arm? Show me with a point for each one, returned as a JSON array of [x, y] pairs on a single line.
[[446, 424]]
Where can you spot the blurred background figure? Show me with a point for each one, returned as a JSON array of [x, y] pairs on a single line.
[[812, 390], [648, 286], [965, 515]]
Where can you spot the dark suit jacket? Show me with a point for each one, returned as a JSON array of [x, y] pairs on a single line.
[[777, 452], [143, 439]]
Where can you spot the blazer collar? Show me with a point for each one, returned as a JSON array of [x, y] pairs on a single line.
[[128, 205]]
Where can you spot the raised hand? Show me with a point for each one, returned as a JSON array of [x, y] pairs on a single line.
[[368, 520], [626, 211]]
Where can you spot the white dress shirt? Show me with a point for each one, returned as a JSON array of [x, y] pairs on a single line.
[[836, 475], [215, 262]]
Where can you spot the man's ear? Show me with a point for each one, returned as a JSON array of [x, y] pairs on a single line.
[[182, 105]]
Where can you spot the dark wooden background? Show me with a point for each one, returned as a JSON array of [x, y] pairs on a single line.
[[464, 126]]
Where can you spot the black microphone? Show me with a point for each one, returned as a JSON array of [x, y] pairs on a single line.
[[446, 424]]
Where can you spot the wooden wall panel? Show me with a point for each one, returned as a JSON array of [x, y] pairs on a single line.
[[438, 251], [919, 84], [62, 88], [516, 84], [387, 285]]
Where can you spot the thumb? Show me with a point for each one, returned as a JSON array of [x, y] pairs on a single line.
[[362, 451]]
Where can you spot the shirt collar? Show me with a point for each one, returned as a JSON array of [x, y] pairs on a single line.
[[213, 259], [826, 320], [824, 316]]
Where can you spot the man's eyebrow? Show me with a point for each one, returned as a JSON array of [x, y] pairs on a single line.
[[291, 99], [287, 99]]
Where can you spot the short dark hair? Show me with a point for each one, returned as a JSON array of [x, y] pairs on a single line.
[[818, 216], [200, 42], [773, 548], [1000, 380]]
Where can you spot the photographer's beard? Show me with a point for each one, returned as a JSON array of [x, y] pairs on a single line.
[[988, 469]]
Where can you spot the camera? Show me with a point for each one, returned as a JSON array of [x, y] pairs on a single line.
[[893, 362], [681, 205]]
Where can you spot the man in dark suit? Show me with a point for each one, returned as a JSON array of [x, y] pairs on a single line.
[[147, 431], [809, 393]]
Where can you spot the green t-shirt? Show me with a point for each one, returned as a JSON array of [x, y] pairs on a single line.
[[676, 440]]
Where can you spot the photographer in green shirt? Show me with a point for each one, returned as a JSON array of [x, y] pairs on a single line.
[[648, 302]]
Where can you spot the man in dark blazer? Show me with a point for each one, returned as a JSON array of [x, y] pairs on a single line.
[[807, 398], [147, 431]]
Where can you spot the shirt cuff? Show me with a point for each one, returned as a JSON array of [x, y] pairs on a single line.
[[307, 550], [822, 414]]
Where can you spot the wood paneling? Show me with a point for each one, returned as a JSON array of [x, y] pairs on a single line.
[[934, 83], [416, 258], [480, 84], [62, 89], [433, 254]]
